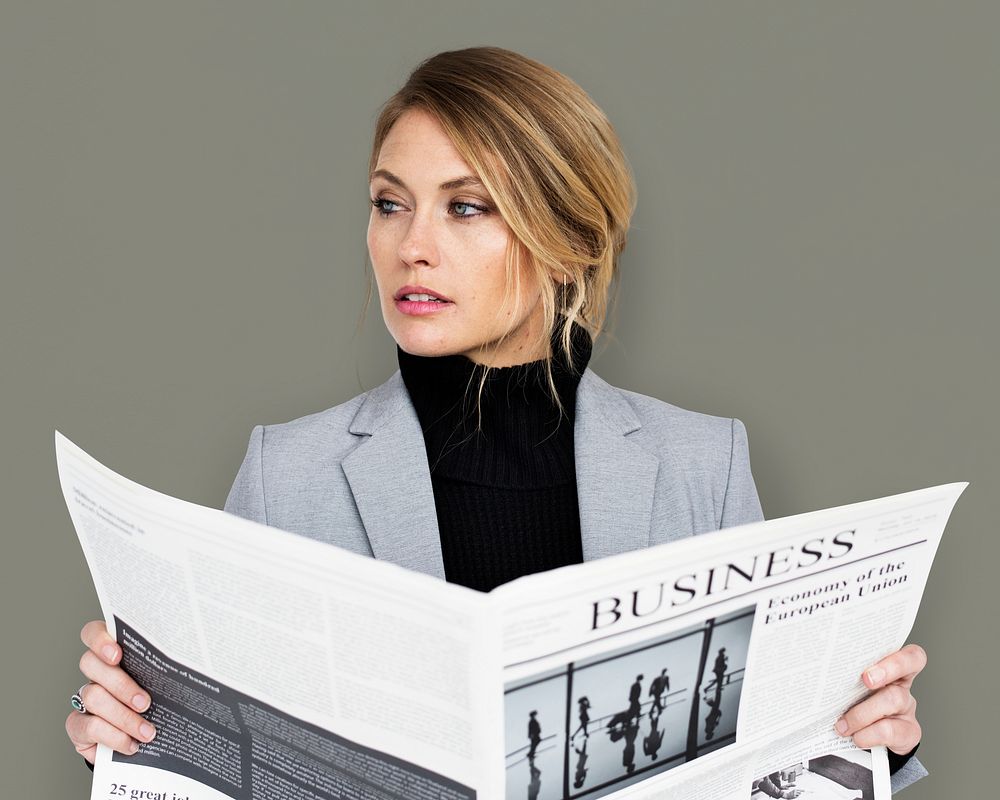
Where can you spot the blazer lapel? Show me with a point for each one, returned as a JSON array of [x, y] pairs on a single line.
[[391, 483], [615, 477]]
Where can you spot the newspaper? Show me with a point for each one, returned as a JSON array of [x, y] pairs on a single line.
[[705, 669]]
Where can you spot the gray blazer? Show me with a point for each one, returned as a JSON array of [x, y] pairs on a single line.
[[356, 476]]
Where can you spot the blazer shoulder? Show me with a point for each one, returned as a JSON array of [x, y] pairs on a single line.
[[330, 435], [704, 476], [654, 411], [326, 432], [292, 476], [697, 440], [660, 423], [308, 449]]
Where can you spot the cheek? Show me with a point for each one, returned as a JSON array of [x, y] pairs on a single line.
[[494, 244], [488, 252], [380, 252], [375, 241]]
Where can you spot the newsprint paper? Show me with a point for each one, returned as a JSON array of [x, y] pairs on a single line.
[[706, 669]]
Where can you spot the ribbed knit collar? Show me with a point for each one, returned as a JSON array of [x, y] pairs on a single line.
[[516, 436]]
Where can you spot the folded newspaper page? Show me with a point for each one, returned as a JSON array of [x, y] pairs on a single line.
[[705, 669]]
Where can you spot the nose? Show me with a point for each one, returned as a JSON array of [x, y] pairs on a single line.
[[418, 247]]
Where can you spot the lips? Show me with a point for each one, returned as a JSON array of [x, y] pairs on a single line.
[[419, 301], [422, 298], [420, 294]]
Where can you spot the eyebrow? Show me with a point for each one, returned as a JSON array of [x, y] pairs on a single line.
[[454, 183]]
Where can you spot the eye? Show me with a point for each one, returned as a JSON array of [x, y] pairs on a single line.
[[459, 208], [379, 202], [460, 204]]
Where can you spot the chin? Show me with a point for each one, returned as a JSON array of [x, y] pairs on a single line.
[[421, 336], [426, 352], [426, 346]]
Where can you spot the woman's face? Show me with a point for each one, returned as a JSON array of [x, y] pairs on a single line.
[[437, 246]]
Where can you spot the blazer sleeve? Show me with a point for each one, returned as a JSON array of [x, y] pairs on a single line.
[[741, 504], [246, 497], [910, 772]]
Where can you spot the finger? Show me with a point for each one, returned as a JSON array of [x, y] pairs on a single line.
[[115, 680], [899, 734], [889, 701], [95, 635], [86, 731], [86, 749], [101, 703], [903, 664]]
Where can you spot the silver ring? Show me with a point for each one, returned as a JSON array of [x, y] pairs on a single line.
[[76, 699]]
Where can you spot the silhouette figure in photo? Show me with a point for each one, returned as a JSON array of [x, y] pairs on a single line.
[[635, 699], [584, 708], [630, 733], [581, 765], [714, 700], [617, 723], [535, 786], [721, 663], [719, 669], [714, 712], [651, 743], [633, 712], [534, 734], [659, 685]]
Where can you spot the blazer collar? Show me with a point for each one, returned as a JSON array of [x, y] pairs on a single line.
[[391, 483]]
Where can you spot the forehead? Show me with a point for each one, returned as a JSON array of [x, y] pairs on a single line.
[[417, 147]]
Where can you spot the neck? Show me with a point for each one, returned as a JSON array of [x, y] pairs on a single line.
[[479, 420], [478, 390]]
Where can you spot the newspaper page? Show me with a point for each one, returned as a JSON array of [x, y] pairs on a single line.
[[279, 667], [713, 667]]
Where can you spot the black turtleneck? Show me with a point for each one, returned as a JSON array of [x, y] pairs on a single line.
[[503, 472]]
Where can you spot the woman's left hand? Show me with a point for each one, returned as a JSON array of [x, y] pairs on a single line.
[[889, 716]]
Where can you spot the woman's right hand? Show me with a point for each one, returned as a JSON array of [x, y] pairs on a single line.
[[112, 699]]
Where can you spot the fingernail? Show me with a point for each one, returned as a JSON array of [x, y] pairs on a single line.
[[139, 702], [841, 726], [147, 731], [110, 652], [876, 675], [134, 747]]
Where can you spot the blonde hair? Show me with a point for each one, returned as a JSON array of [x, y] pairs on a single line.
[[552, 163]]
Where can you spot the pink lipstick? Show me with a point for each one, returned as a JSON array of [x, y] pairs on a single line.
[[419, 301]]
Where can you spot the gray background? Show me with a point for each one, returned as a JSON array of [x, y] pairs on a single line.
[[815, 251]]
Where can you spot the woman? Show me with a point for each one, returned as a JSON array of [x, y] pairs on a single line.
[[501, 199]]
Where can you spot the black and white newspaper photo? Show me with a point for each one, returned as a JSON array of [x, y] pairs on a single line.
[[832, 776], [629, 713]]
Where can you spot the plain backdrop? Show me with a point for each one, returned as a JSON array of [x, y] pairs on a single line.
[[183, 204]]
